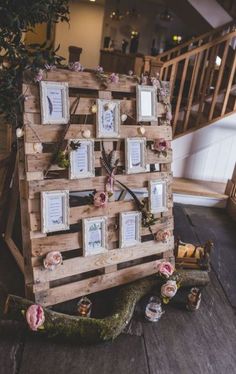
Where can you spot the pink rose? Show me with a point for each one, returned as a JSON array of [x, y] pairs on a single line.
[[154, 81], [114, 78], [162, 236], [169, 289], [168, 115], [39, 76], [100, 199], [76, 66], [165, 268], [99, 69], [35, 317], [161, 145], [52, 260], [144, 80]]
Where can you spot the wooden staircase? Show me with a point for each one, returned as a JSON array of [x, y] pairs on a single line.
[[202, 73]]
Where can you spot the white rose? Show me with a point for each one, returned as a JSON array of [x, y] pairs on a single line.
[[169, 289], [52, 260], [19, 132]]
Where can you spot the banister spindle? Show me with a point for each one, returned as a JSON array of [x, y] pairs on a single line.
[[219, 79], [229, 86], [181, 88], [191, 90]]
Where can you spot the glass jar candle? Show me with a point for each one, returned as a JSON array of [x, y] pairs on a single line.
[[153, 311], [194, 299], [84, 307]]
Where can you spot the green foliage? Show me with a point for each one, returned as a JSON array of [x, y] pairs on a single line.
[[16, 18]]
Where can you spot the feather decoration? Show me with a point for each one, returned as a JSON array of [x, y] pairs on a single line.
[[50, 106]]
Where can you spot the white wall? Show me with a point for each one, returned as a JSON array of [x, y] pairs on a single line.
[[207, 154], [85, 30], [212, 12]]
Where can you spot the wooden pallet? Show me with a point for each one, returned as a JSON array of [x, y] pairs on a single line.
[[80, 275]]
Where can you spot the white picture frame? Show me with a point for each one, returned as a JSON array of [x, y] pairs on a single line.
[[146, 103], [129, 229], [157, 190], [54, 102], [82, 160], [108, 119], [135, 155], [54, 211], [94, 235]]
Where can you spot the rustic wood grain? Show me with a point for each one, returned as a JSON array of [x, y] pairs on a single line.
[[80, 265], [36, 133], [113, 357]]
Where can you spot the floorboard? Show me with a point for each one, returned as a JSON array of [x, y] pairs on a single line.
[[182, 226], [10, 351], [215, 224], [125, 355]]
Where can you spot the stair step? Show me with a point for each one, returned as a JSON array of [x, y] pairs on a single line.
[[196, 187]]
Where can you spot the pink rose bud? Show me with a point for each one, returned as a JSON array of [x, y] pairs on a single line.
[[169, 289], [52, 260], [39, 76], [100, 199], [76, 66], [114, 78], [161, 145], [164, 268], [154, 81], [144, 80], [163, 236], [35, 317], [168, 115], [99, 69]]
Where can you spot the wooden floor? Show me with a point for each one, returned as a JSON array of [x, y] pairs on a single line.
[[181, 343]]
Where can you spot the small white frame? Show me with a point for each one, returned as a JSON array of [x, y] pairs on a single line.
[[76, 160], [146, 103], [135, 155], [89, 244], [112, 110], [58, 218], [57, 94], [157, 200], [129, 221]]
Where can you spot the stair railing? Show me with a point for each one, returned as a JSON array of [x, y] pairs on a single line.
[[196, 42], [201, 82]]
